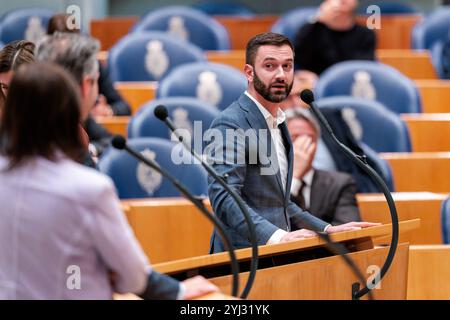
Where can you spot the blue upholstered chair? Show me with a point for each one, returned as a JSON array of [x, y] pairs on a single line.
[[433, 28], [135, 180], [445, 220], [149, 56], [29, 24], [289, 23], [374, 124], [390, 7], [440, 57], [187, 23], [370, 80], [216, 84], [186, 113], [214, 7]]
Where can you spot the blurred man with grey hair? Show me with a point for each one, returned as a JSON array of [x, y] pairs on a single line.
[[78, 55], [329, 195]]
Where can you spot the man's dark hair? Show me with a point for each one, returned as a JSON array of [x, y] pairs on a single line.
[[264, 39], [41, 116]]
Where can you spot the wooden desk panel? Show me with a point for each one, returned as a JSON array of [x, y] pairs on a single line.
[[110, 30], [413, 64], [435, 95], [137, 93], [325, 279], [395, 31], [425, 206], [115, 125], [429, 132], [168, 229], [429, 272], [420, 171]]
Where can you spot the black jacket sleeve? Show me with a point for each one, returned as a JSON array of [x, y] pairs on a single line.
[[114, 99]]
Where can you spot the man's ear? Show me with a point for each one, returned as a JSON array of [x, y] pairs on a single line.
[[248, 71]]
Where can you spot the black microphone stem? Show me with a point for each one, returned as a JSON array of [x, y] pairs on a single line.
[[239, 201], [362, 163], [199, 204]]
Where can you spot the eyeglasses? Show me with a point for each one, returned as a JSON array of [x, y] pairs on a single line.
[[3, 89]]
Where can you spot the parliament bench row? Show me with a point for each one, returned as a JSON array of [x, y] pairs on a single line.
[[435, 94], [394, 31], [428, 132]]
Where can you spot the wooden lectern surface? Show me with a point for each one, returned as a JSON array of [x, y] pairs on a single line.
[[314, 278], [266, 250]]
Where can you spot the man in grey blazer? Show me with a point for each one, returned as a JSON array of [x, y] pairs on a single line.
[[256, 154], [328, 195]]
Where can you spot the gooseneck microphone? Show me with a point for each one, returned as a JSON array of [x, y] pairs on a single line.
[[308, 97], [120, 143], [162, 114]]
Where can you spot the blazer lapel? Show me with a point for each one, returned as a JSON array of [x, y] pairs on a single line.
[[290, 158], [257, 122]]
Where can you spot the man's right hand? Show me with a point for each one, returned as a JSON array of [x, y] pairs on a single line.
[[198, 286], [298, 235]]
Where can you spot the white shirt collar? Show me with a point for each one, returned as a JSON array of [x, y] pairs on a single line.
[[272, 122], [308, 177]]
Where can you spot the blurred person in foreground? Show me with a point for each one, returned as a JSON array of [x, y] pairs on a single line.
[[12, 56], [62, 232]]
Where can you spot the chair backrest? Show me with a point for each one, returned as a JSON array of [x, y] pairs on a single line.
[[290, 22], [440, 57], [192, 116], [214, 7], [372, 123], [445, 220], [390, 7], [216, 84], [29, 24], [433, 28], [384, 169], [135, 180], [149, 56], [188, 24], [370, 80]]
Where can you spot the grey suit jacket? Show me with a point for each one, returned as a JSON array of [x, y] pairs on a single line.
[[333, 197], [267, 201]]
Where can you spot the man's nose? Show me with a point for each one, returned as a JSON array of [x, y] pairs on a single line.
[[280, 73]]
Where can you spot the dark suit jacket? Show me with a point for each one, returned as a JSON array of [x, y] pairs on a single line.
[[267, 201], [98, 135], [333, 197], [114, 99]]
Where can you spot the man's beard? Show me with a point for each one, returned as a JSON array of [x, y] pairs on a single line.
[[265, 91]]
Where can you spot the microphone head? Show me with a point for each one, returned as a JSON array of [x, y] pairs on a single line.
[[119, 142], [161, 112], [307, 96]]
